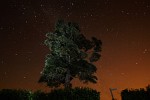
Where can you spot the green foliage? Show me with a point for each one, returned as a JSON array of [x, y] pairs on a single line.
[[71, 56], [60, 94], [8, 94], [75, 94], [137, 94], [39, 95]]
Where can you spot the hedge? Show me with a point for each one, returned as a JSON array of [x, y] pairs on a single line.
[[9, 94], [136, 94], [56, 94]]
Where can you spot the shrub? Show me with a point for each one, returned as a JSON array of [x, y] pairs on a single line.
[[39, 95], [9, 94], [59, 94], [136, 94], [74, 94]]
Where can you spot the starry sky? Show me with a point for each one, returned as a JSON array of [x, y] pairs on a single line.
[[122, 25]]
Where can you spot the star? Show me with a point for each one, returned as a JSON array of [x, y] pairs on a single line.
[[41, 5], [26, 21], [72, 3], [2, 62], [1, 28], [122, 73], [145, 51], [29, 59]]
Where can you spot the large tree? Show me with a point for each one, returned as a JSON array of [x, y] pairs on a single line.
[[71, 56]]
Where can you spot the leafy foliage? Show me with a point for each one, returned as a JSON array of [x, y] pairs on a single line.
[[60, 94], [137, 94], [8, 94], [39, 95], [75, 94], [71, 56]]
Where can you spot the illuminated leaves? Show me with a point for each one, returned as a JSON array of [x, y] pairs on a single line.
[[71, 56]]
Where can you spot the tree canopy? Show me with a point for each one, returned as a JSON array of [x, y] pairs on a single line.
[[71, 56]]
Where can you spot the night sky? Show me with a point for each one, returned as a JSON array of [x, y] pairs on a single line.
[[122, 25]]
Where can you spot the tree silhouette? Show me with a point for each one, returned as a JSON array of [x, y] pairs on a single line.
[[136, 94], [71, 56]]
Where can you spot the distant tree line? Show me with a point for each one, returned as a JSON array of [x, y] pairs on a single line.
[[136, 94], [59, 94]]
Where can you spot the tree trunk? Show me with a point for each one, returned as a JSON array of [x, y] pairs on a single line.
[[67, 80]]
